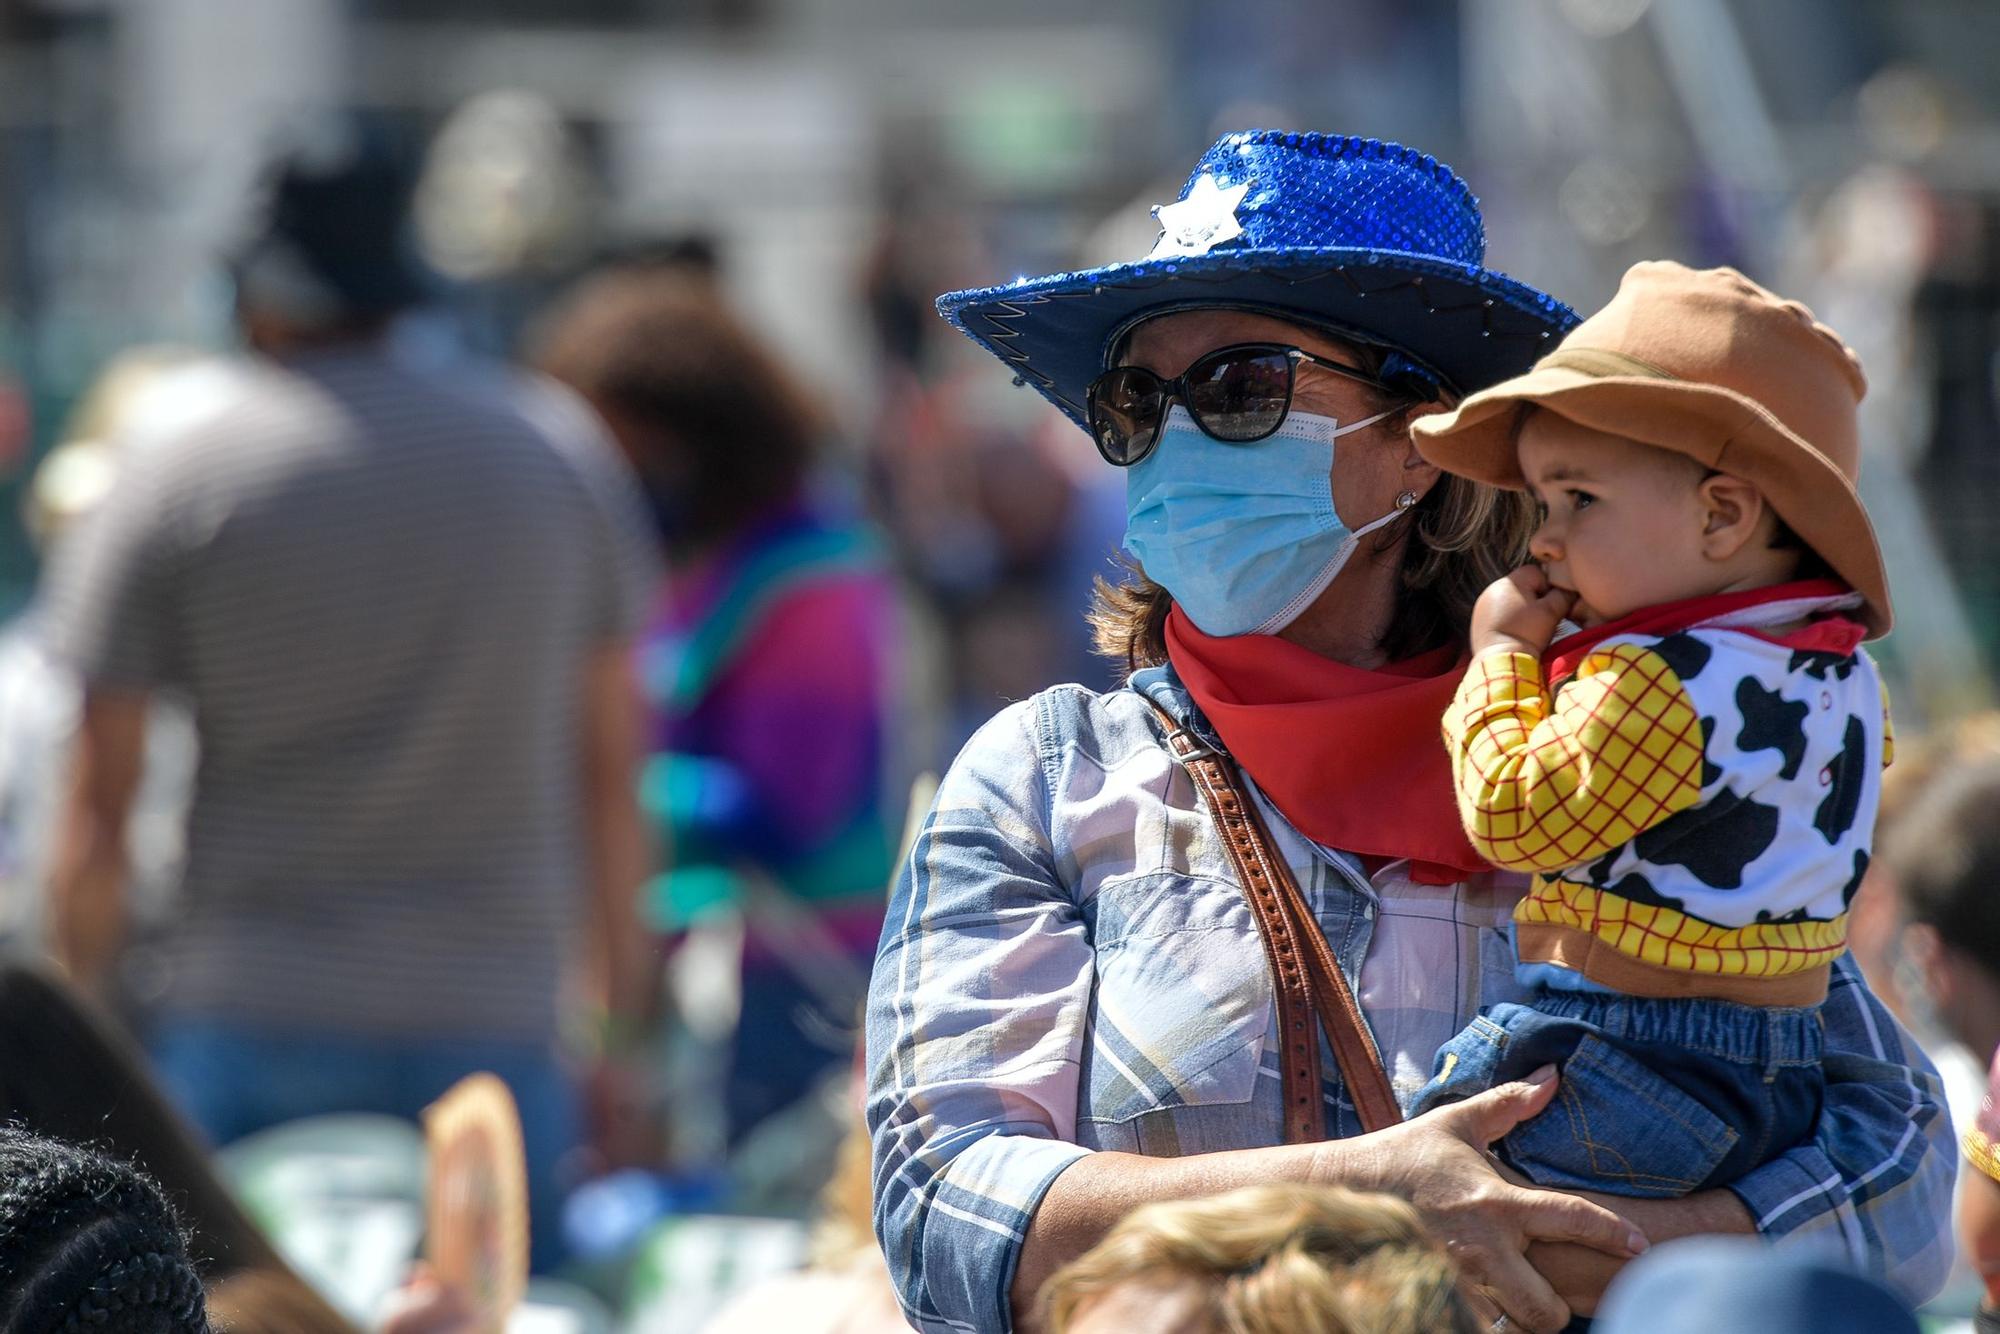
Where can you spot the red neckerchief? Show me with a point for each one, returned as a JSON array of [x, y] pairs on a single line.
[[1351, 757], [1823, 634]]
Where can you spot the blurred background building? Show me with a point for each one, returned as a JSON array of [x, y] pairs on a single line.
[[847, 160]]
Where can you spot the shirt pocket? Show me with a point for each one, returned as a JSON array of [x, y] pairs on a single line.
[[1617, 1126], [1182, 1004]]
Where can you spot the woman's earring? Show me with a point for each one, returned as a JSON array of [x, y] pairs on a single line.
[[1406, 499]]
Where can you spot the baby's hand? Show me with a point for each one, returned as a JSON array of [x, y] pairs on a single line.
[[1519, 613]]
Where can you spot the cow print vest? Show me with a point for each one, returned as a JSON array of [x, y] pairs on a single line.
[[1793, 744]]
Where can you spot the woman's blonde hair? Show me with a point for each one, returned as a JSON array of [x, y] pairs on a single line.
[[1279, 1259], [845, 1226]]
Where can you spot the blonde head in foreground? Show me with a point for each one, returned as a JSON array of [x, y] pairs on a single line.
[[1279, 1259]]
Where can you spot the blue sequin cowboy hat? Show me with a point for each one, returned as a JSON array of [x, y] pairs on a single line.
[[1368, 239]]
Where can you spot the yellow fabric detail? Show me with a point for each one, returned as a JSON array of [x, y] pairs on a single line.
[[1980, 1152], [1544, 785], [1671, 939]]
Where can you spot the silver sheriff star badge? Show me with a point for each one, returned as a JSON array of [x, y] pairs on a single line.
[[1205, 219]]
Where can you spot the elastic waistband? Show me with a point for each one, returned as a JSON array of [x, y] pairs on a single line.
[[1583, 952], [1750, 1034]]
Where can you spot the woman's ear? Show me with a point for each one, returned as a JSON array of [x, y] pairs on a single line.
[[1419, 473], [1732, 515]]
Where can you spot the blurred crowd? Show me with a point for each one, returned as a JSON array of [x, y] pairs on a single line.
[[388, 712], [398, 702]]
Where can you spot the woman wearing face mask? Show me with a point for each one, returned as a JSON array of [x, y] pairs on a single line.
[[1206, 930], [768, 666]]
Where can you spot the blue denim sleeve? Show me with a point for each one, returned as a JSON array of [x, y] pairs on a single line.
[[976, 1015], [1877, 1176]]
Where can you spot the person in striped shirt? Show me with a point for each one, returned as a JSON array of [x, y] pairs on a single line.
[[769, 667], [1691, 777], [400, 600]]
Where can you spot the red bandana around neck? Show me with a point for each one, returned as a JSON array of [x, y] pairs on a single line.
[[1824, 634], [1352, 757]]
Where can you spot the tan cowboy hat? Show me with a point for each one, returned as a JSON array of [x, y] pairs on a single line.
[[1708, 364]]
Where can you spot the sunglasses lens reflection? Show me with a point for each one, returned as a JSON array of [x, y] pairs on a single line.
[[1239, 395], [1126, 408]]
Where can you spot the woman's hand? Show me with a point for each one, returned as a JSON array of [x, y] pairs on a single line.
[[1439, 1163], [1580, 1275], [1519, 613]]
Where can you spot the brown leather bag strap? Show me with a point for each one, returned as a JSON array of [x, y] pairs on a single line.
[[1347, 1031], [1298, 1035], [1304, 973]]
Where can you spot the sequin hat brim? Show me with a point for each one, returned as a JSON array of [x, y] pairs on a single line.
[[1472, 325]]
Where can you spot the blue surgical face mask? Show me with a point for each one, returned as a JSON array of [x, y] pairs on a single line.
[[1243, 536]]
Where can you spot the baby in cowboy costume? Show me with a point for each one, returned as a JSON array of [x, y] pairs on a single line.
[[1691, 777]]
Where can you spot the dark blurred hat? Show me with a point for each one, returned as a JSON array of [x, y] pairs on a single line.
[[88, 1243], [327, 232], [1736, 1285]]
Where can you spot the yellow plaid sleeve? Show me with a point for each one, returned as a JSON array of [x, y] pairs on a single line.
[[1544, 785], [1980, 1152]]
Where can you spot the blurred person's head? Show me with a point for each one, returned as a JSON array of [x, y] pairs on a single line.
[[1273, 1259], [1737, 1285], [1920, 760], [695, 254], [717, 428], [325, 256], [1942, 853], [87, 1243], [1890, 952]]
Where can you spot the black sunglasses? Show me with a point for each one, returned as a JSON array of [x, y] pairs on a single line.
[[1236, 394]]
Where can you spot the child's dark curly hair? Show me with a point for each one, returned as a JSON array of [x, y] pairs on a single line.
[[89, 1244]]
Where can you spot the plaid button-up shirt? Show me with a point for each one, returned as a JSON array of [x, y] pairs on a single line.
[[1068, 966]]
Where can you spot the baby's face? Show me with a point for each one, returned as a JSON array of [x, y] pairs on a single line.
[[1622, 522]]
